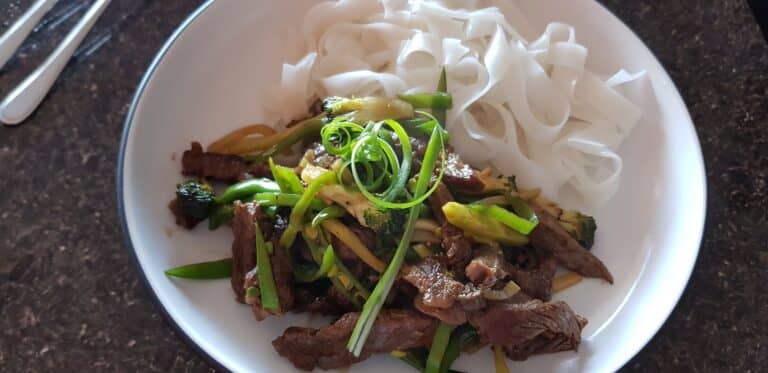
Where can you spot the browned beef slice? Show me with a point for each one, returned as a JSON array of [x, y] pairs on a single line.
[[486, 268], [308, 348], [551, 237], [430, 277], [327, 301], [243, 246], [530, 328], [536, 283], [461, 176], [455, 244], [223, 167], [454, 315]]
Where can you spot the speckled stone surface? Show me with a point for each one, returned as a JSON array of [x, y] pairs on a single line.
[[71, 299]]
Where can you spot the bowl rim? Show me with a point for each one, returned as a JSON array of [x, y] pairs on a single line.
[[197, 13]]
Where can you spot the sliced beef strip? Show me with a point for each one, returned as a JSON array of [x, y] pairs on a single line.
[[222, 167], [551, 237], [457, 247], [538, 282], [530, 328], [430, 277], [454, 315], [308, 348], [323, 300], [460, 176], [471, 299], [243, 246]]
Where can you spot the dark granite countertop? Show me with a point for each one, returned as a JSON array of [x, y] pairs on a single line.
[[71, 298]]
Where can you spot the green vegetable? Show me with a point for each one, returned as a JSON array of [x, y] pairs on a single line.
[[326, 263], [580, 226], [330, 212], [267, 287], [195, 200], [415, 357], [475, 221], [376, 300], [507, 218], [359, 291], [295, 221], [367, 109], [439, 100], [388, 225], [400, 173], [304, 129], [442, 86], [286, 178], [437, 350], [461, 338], [203, 271], [285, 200], [247, 188], [222, 214]]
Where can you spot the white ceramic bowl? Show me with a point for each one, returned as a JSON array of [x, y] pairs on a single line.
[[205, 81]]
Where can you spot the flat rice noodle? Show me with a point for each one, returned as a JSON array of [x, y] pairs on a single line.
[[530, 109]]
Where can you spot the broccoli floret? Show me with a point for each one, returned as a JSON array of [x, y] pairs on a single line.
[[194, 200], [580, 226], [386, 222], [366, 109], [389, 225]]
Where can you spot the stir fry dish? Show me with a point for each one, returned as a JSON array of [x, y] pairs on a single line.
[[381, 225]]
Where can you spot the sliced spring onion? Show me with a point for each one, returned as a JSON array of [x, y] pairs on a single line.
[[286, 178], [350, 239], [326, 263], [267, 287], [285, 199], [376, 300], [437, 100], [268, 146], [473, 220], [508, 218], [395, 189], [437, 350], [203, 271], [247, 188], [442, 86], [221, 145], [221, 215], [462, 337], [295, 221], [330, 212], [493, 200]]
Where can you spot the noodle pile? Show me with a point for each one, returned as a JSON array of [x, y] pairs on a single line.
[[527, 108]]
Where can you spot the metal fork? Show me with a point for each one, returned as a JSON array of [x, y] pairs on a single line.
[[25, 98]]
